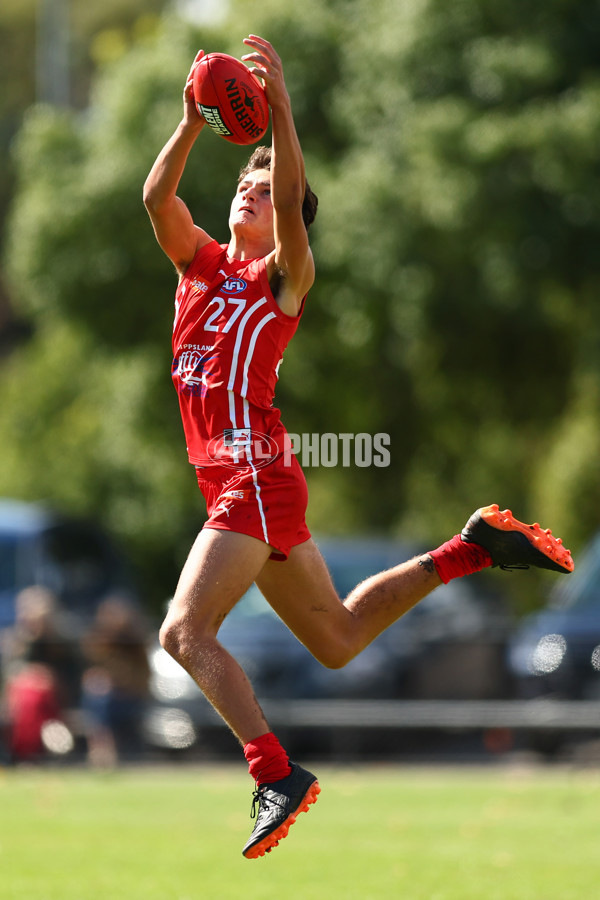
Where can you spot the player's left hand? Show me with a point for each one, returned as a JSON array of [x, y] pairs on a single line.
[[268, 66]]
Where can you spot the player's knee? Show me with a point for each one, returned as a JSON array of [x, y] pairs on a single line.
[[336, 655], [172, 638], [333, 646], [183, 638], [334, 662], [166, 637]]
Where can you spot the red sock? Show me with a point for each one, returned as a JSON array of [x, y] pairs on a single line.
[[456, 558], [267, 760]]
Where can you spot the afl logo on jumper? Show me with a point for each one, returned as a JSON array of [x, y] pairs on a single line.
[[234, 286], [240, 447]]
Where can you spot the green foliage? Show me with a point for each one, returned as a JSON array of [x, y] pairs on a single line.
[[470, 228], [454, 152], [93, 29]]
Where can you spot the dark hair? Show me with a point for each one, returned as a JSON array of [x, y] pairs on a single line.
[[261, 159]]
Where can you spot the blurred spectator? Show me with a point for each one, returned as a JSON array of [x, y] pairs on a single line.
[[115, 683], [41, 672]]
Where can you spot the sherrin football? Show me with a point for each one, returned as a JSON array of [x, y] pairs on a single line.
[[230, 98]]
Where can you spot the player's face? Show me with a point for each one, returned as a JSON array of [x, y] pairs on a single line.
[[251, 206]]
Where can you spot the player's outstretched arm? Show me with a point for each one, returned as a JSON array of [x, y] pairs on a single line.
[[171, 219], [293, 257]]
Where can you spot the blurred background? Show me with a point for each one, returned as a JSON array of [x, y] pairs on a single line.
[[454, 152]]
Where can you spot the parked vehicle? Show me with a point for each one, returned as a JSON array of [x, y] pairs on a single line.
[[450, 646], [71, 557], [556, 652]]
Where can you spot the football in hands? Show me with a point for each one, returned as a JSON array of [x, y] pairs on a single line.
[[230, 98]]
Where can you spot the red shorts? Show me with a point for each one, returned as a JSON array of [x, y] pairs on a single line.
[[267, 503]]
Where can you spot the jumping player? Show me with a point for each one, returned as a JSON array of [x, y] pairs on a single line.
[[237, 306]]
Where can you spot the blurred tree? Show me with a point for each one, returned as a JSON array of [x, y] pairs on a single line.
[[96, 33], [453, 150], [465, 224]]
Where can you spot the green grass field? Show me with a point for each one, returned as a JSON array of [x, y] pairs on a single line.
[[376, 832]]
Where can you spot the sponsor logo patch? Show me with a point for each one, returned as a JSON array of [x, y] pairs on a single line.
[[213, 118]]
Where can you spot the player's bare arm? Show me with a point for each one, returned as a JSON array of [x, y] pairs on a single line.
[[171, 219], [290, 267]]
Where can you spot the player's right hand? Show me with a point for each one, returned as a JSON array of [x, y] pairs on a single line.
[[190, 110]]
